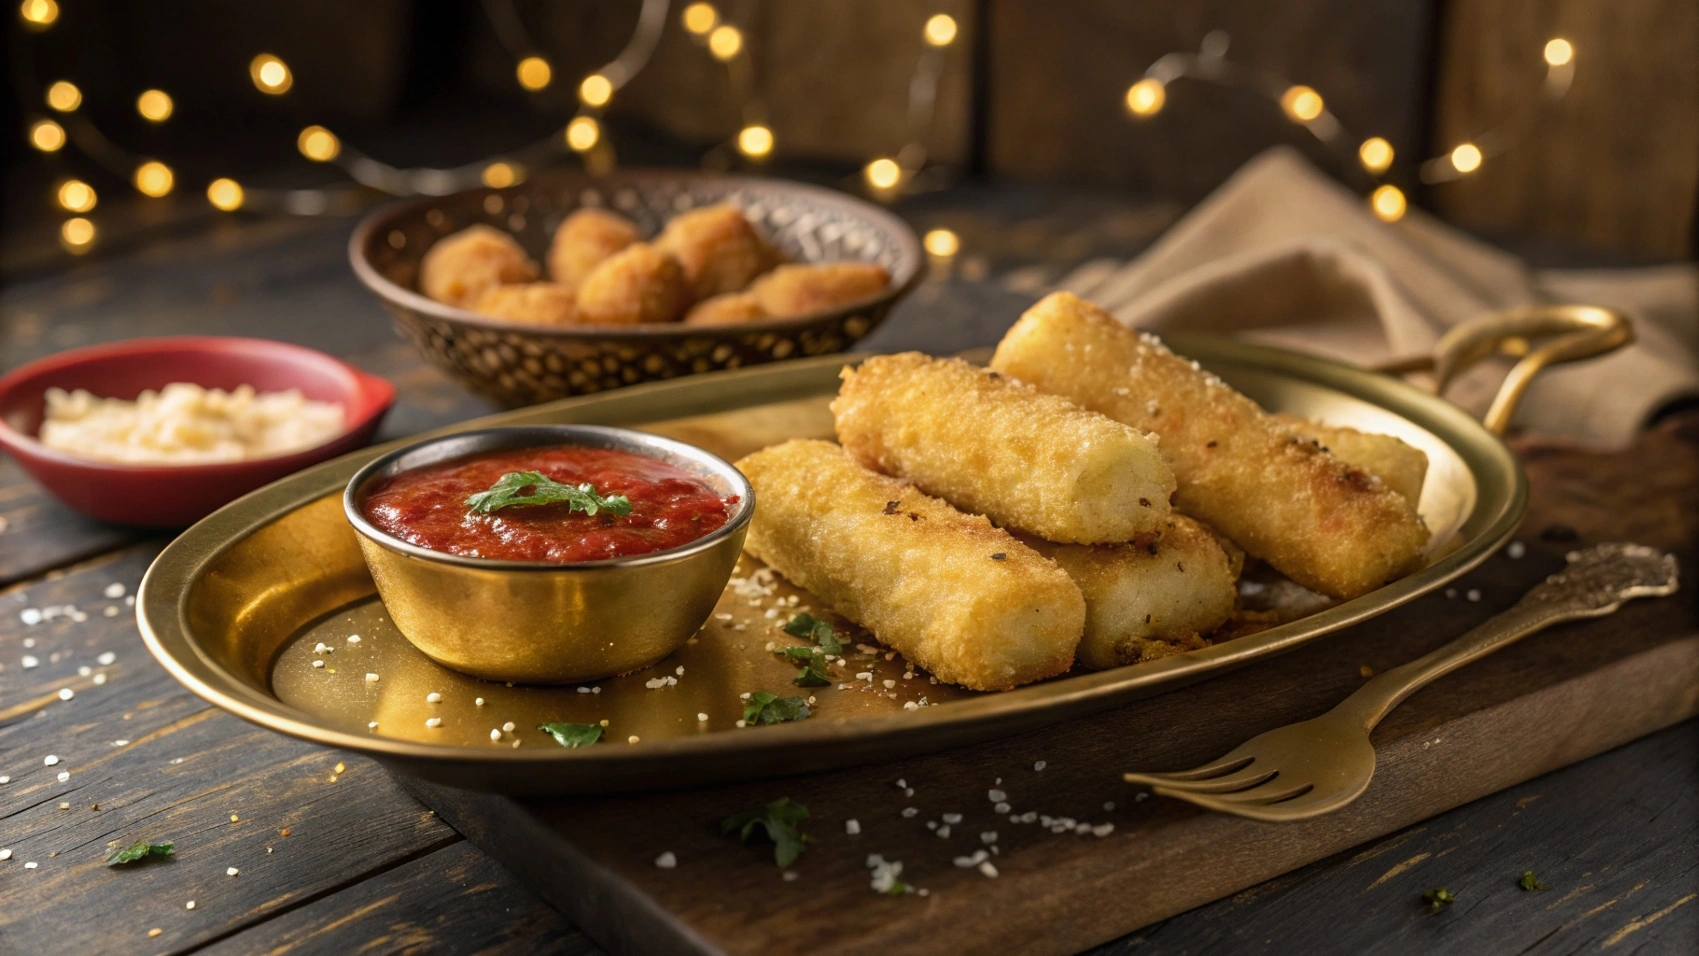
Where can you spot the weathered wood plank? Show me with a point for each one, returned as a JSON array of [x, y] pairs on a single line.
[[37, 533], [147, 760], [454, 900]]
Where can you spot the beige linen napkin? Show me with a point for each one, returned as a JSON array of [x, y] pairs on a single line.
[[1283, 254]]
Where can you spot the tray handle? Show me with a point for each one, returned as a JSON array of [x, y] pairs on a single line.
[[1538, 335]]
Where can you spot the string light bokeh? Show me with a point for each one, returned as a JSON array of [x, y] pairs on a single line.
[[1306, 107]]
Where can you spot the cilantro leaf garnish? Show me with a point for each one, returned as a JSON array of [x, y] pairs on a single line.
[[141, 850], [508, 492], [765, 708], [1438, 898], [572, 736], [779, 820], [811, 628], [1531, 882]]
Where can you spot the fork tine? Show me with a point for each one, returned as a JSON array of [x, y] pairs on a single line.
[[1271, 792], [1240, 780], [1215, 768]]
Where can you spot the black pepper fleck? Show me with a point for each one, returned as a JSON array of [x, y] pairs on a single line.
[[1560, 533], [999, 556], [891, 507]]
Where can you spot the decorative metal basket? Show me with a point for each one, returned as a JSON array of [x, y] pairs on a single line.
[[521, 364]]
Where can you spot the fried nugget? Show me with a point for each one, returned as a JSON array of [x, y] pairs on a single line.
[[1169, 587], [1028, 461], [538, 303], [1329, 526], [637, 284], [584, 239], [458, 268], [798, 290], [720, 250], [733, 308], [1404, 468], [953, 593]]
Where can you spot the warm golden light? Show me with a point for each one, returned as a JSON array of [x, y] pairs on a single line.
[[318, 144], [582, 133], [64, 96], [226, 194], [534, 73], [1388, 203], [270, 74], [1376, 154], [77, 196], [941, 29], [154, 178], [500, 175], [699, 18], [596, 90], [154, 105], [883, 173], [1466, 158], [725, 42], [1145, 98], [77, 235], [47, 136], [39, 13], [1559, 51], [1301, 104], [755, 141], [942, 243]]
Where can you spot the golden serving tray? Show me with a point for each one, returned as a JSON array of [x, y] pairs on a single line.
[[235, 607]]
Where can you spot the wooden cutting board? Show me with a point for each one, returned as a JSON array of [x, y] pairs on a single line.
[[1553, 699]]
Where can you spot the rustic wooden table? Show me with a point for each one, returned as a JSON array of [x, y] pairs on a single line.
[[331, 855]]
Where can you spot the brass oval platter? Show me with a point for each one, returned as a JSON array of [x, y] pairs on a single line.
[[237, 607]]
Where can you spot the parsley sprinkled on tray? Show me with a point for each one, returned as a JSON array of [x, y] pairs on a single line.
[[508, 492], [778, 820], [812, 659], [141, 850], [572, 736], [765, 708], [811, 628]]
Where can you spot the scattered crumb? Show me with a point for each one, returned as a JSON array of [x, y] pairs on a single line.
[[666, 861], [1366, 671], [852, 827]]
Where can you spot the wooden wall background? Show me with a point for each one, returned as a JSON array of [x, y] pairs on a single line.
[[1615, 166]]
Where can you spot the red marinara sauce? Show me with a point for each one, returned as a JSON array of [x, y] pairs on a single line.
[[427, 507]]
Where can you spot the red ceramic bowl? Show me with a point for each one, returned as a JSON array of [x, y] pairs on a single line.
[[174, 496]]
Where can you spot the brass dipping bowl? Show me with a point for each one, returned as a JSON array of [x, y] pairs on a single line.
[[519, 363], [541, 622]]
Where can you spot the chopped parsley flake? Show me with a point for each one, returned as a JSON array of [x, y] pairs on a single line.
[[765, 708], [778, 819], [141, 850], [1531, 882], [824, 636], [1438, 898], [811, 628], [572, 736]]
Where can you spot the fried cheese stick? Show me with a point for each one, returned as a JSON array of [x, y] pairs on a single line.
[[1328, 526], [1026, 460], [1403, 467], [955, 595], [1171, 587]]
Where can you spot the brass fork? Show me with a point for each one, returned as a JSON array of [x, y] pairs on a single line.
[[1314, 767]]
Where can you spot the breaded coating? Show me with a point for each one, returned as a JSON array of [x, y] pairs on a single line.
[[584, 239], [720, 250], [1028, 461], [539, 303], [459, 267], [733, 308], [1403, 467], [952, 593], [798, 290], [1174, 587], [637, 284], [1331, 527]]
